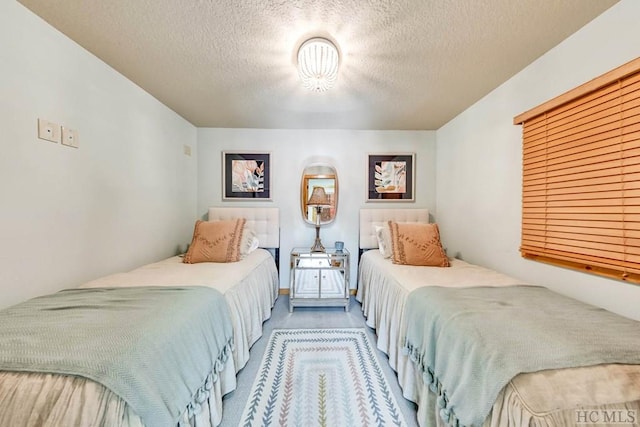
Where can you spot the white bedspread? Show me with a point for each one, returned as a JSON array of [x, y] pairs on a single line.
[[541, 398], [383, 288], [250, 287]]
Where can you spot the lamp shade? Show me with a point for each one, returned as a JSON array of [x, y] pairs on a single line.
[[318, 197], [318, 64]]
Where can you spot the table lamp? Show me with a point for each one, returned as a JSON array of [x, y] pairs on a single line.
[[319, 200]]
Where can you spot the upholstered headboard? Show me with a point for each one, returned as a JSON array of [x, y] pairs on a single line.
[[265, 222], [370, 218]]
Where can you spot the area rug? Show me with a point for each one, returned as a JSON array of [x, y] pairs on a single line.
[[320, 377]]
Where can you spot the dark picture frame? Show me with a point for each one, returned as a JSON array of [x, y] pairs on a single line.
[[246, 175], [391, 177]]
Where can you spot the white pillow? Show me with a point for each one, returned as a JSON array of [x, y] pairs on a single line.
[[249, 242], [383, 234]]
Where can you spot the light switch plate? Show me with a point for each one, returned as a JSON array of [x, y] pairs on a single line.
[[187, 150], [70, 137], [48, 130]]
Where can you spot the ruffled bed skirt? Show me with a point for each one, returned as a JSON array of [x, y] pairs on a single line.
[[35, 399], [514, 408]]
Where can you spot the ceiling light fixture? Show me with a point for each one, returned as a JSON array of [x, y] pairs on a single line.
[[318, 64]]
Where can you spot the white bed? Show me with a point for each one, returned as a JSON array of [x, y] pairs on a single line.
[[250, 288], [541, 398]]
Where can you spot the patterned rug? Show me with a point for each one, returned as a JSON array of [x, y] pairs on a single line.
[[320, 377]]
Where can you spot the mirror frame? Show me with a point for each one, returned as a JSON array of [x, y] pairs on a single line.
[[318, 171]]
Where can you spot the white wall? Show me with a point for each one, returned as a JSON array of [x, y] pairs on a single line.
[[127, 196], [479, 158], [291, 151]]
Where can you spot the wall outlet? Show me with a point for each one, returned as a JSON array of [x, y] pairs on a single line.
[[70, 137], [48, 130]]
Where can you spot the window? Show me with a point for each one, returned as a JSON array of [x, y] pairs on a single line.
[[581, 177]]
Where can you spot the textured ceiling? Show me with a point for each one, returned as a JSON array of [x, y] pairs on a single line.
[[405, 64]]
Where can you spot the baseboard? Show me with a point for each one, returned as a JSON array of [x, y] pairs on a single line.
[[285, 291]]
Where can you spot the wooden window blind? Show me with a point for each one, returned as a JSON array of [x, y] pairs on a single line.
[[581, 177]]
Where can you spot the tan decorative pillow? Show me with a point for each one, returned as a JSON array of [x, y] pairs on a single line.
[[215, 241], [417, 244]]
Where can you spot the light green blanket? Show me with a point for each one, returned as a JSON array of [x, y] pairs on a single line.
[[470, 342], [158, 348]]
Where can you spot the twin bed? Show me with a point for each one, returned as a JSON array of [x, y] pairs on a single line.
[[178, 333], [429, 317], [203, 318]]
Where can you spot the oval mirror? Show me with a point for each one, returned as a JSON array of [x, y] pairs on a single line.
[[319, 194]]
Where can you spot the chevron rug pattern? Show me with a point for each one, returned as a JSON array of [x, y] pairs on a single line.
[[320, 377]]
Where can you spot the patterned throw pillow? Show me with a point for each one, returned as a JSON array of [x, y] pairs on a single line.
[[417, 244], [216, 241]]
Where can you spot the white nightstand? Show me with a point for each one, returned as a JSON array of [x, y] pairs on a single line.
[[319, 279]]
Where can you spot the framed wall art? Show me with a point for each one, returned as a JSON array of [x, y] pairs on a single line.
[[390, 177], [246, 176]]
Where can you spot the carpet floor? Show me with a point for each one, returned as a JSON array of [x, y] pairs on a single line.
[[307, 318]]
